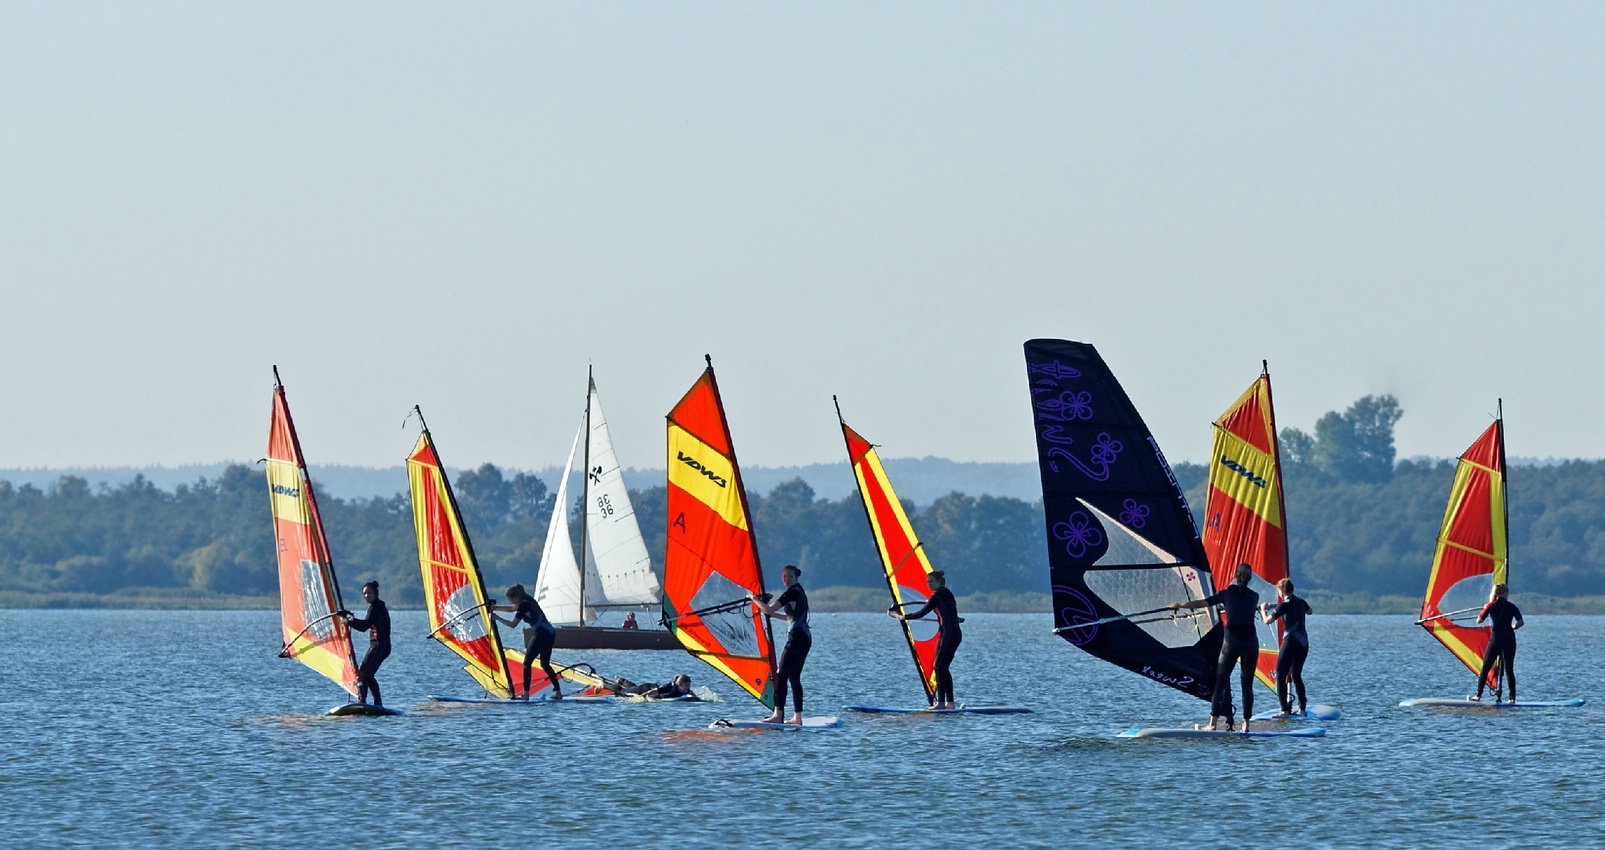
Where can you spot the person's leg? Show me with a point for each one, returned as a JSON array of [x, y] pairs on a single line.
[[1248, 656], [783, 676], [796, 678], [1507, 660], [1489, 656], [945, 647], [1301, 653], [1220, 705], [369, 671], [1284, 668], [365, 676]]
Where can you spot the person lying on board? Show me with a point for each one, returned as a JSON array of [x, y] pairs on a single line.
[[538, 638], [1240, 646], [677, 688], [1295, 644], [948, 634], [377, 625], [629, 622], [793, 607], [1502, 643]]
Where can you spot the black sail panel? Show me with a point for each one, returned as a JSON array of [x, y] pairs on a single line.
[[1121, 540]]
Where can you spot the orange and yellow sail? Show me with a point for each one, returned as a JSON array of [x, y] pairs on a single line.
[[1244, 512], [1472, 553], [711, 558], [902, 555], [308, 592]]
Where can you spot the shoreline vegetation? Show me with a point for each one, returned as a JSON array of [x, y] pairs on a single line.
[[836, 599]]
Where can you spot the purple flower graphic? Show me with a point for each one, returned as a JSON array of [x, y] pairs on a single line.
[[1078, 533], [1133, 514]]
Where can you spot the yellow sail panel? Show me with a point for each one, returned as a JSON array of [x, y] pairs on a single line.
[[1243, 514], [454, 591], [1473, 551], [308, 592]]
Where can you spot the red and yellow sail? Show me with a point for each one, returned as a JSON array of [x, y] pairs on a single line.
[[902, 555], [454, 591], [711, 559], [308, 592], [1243, 516], [1472, 553]]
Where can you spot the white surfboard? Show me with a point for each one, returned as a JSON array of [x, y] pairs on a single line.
[[1301, 732], [1315, 712], [1488, 703], [963, 709], [362, 709], [809, 724], [579, 700]]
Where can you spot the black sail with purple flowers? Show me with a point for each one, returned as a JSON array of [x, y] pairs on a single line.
[[1121, 541]]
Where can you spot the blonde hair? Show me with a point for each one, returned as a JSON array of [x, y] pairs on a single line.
[[1285, 586], [1501, 590]]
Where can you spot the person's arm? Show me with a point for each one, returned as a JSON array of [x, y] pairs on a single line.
[[774, 607], [1483, 614], [1517, 622], [1267, 614], [1197, 603], [904, 615], [358, 623]]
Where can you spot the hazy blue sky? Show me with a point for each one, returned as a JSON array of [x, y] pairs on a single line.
[[462, 205]]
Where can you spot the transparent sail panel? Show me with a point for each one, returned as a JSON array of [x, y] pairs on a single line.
[[734, 629], [1471, 592], [1125, 545], [1132, 590], [466, 624], [315, 601]]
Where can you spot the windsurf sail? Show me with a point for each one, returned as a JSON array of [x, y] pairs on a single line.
[[711, 558], [309, 595], [1245, 513], [1121, 542], [1472, 553], [903, 560], [454, 590]]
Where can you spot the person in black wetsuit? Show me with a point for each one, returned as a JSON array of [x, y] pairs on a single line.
[[948, 634], [1240, 645], [1506, 619], [793, 606], [538, 637], [377, 625], [1295, 644]]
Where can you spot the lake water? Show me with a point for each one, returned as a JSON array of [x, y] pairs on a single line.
[[183, 728]]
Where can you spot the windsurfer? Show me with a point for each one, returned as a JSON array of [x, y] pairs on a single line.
[[538, 638], [1241, 645], [1502, 643], [377, 625], [948, 634], [1295, 644], [793, 607]]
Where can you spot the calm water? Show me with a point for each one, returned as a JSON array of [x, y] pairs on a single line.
[[184, 729]]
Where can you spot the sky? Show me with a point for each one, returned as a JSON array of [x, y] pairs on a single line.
[[465, 206]]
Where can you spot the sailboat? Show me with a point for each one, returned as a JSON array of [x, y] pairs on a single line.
[[1472, 555], [309, 594], [454, 589], [1122, 543], [617, 571], [1245, 514], [905, 568], [711, 559]]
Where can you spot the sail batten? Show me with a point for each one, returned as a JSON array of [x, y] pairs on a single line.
[[1121, 540], [904, 564], [1472, 553], [711, 557], [309, 593], [1245, 514]]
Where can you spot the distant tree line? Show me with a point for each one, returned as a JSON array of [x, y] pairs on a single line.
[[1359, 523]]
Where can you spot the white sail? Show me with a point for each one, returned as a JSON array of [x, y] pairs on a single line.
[[615, 552], [557, 587]]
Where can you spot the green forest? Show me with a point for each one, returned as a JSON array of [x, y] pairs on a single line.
[[1362, 529]]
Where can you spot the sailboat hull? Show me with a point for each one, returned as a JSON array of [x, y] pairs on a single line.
[[599, 637]]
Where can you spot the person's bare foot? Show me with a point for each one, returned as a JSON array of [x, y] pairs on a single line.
[[796, 719], [773, 718]]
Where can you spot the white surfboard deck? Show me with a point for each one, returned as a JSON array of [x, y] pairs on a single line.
[[809, 724], [1489, 703], [963, 709], [362, 709], [1301, 732], [581, 700], [1315, 712]]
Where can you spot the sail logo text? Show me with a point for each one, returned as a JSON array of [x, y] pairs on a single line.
[[292, 492], [692, 462], [1243, 471], [1182, 682]]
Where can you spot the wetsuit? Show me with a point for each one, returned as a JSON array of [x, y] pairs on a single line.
[[538, 640], [1241, 645], [799, 639], [377, 625], [948, 638], [1295, 649], [1501, 645]]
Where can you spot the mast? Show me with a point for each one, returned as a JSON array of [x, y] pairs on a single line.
[[1276, 455], [585, 488]]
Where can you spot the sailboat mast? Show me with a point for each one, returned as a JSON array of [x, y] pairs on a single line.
[[585, 488], [1504, 488], [1276, 456]]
